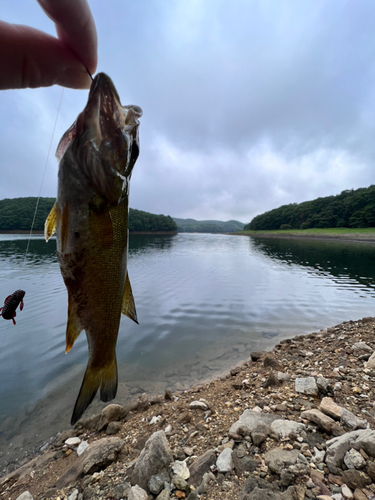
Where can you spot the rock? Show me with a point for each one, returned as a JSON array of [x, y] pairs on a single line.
[[323, 385], [256, 356], [72, 442], [198, 405], [208, 477], [180, 483], [164, 495], [272, 380], [371, 470], [359, 495], [361, 346], [346, 492], [252, 419], [201, 465], [143, 402], [168, 396], [111, 413], [224, 461], [156, 483], [83, 446], [281, 429], [271, 362], [73, 495], [120, 491], [155, 457], [26, 495], [278, 459], [370, 365], [260, 434], [319, 418], [355, 478], [330, 408], [306, 386], [113, 428], [101, 453], [243, 430], [259, 489], [243, 462], [338, 446], [181, 469], [63, 436], [89, 423], [283, 377], [351, 421], [137, 493], [354, 460]]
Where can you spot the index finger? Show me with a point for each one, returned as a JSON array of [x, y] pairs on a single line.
[[75, 26]]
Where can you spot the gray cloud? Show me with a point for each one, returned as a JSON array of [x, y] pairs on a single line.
[[247, 105]]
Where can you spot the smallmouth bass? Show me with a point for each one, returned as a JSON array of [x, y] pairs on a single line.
[[96, 157]]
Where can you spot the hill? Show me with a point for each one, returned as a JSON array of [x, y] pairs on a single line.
[[350, 208], [207, 226], [17, 214]]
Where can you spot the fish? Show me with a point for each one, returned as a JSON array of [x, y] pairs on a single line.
[[8, 311], [96, 157]]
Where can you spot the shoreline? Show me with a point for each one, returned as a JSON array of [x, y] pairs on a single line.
[[245, 387], [342, 238]]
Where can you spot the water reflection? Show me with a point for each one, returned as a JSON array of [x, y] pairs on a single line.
[[349, 263]]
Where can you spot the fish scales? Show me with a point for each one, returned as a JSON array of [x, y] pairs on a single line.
[[90, 217]]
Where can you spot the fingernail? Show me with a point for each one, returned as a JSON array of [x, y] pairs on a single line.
[[74, 78]]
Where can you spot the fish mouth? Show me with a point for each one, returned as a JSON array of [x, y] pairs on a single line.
[[106, 140]]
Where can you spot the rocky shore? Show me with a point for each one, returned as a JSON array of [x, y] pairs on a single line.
[[294, 423]]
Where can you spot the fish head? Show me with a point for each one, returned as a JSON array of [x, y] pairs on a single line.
[[104, 141]]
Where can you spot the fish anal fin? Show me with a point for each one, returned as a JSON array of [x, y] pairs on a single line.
[[73, 328], [51, 222], [104, 378], [128, 304]]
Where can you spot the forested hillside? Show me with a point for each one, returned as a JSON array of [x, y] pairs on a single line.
[[207, 226], [351, 208], [17, 214]]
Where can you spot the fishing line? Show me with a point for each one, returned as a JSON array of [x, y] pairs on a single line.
[[44, 173]]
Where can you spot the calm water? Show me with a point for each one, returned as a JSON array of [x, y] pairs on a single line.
[[204, 303]]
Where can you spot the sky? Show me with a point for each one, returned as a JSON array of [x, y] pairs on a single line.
[[247, 105]]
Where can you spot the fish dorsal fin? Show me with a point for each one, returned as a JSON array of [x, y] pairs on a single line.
[[51, 222], [128, 305], [73, 327]]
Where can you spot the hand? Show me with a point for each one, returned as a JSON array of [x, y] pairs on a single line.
[[32, 58]]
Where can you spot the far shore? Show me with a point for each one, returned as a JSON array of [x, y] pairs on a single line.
[[366, 235]]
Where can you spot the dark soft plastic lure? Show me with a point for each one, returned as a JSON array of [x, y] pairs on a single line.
[[8, 311]]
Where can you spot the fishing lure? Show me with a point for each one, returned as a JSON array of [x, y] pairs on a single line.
[[10, 305]]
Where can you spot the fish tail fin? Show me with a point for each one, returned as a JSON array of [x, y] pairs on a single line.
[[104, 378]]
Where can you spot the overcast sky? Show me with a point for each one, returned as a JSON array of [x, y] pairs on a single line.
[[247, 105]]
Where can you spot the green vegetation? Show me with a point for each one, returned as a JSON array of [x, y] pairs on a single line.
[[207, 226], [335, 232], [144, 221], [349, 209], [17, 214]]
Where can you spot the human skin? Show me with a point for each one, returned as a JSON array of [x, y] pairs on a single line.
[[30, 58]]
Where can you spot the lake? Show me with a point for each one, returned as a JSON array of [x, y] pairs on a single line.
[[204, 302]]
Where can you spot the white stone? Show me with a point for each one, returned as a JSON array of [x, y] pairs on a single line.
[[72, 442], [82, 447], [137, 493], [181, 469], [281, 429], [198, 405], [306, 386], [354, 460], [168, 429], [26, 495], [361, 346], [74, 495], [347, 492], [370, 365], [318, 455], [155, 419], [224, 461]]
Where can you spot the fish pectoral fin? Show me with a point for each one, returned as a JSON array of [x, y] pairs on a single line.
[[73, 329], [104, 378], [128, 304], [51, 223]]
